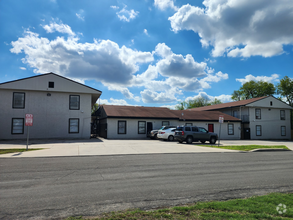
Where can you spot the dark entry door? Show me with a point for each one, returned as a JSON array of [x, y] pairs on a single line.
[[211, 127], [246, 133], [149, 127]]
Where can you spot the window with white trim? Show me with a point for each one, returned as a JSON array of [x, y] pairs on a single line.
[[17, 126], [73, 125], [74, 102], [257, 113], [258, 130], [142, 127], [282, 114], [121, 127], [283, 130], [230, 129], [165, 123], [18, 100]]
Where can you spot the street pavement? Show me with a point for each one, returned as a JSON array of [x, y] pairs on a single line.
[[100, 146]]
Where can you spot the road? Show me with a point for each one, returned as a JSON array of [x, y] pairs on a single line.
[[58, 187]]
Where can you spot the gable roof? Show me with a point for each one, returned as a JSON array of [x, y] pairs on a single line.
[[40, 83], [228, 104], [116, 111], [189, 115]]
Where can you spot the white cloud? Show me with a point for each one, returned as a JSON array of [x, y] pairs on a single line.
[[271, 79], [113, 102], [146, 32], [164, 4], [126, 15], [80, 15], [149, 96], [239, 28], [62, 28], [223, 98], [22, 68], [114, 7], [101, 60]]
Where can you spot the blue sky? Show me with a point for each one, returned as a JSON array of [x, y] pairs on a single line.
[[149, 52]]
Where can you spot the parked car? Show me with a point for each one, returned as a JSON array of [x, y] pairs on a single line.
[[167, 134], [153, 134], [194, 133]]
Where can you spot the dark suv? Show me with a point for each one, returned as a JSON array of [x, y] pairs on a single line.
[[193, 133]]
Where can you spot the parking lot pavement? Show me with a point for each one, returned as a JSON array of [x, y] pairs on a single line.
[[100, 146]]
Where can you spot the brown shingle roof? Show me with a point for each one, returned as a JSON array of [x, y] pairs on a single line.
[[228, 104], [118, 111], [138, 112], [203, 115]]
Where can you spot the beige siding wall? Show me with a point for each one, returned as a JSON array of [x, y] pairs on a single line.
[[132, 128], [270, 123], [51, 115]]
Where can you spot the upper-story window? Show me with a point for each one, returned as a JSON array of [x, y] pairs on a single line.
[[18, 100], [257, 113], [51, 84], [74, 102], [235, 114], [282, 114]]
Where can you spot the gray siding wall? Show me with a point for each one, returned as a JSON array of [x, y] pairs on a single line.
[[51, 115]]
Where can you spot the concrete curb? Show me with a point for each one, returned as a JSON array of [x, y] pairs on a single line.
[[268, 149]]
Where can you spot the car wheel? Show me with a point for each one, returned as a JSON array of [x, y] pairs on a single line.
[[202, 142], [171, 138], [189, 140], [213, 140], [155, 136]]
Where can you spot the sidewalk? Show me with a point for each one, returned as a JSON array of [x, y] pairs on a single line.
[[55, 148]]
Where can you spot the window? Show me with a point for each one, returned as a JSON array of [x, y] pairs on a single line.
[[271, 103], [187, 129], [258, 130], [141, 127], [18, 100], [257, 113], [193, 129], [165, 123], [202, 130], [17, 126], [282, 114], [235, 114], [283, 130], [51, 85], [73, 125], [230, 129], [74, 102], [188, 124], [121, 127]]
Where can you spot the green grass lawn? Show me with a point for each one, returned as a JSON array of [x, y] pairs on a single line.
[[8, 151], [257, 207], [245, 147]]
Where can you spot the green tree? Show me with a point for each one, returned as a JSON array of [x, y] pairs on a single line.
[[95, 107], [285, 89], [197, 102], [253, 89]]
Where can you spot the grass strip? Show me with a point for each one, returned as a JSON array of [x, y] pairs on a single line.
[[256, 207], [245, 147], [17, 150]]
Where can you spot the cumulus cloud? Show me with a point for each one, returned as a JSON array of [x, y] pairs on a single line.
[[223, 98], [126, 15], [114, 7], [271, 79], [149, 96], [113, 102], [62, 28], [101, 60], [22, 68], [239, 28], [164, 4]]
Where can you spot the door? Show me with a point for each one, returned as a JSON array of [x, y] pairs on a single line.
[[246, 133], [149, 127], [211, 128]]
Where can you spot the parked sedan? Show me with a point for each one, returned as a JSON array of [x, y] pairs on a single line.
[[167, 134]]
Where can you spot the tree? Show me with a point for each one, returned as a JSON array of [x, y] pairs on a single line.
[[253, 89], [197, 102], [285, 89], [95, 107]]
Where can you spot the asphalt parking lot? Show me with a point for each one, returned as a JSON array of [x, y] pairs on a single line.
[[100, 146]]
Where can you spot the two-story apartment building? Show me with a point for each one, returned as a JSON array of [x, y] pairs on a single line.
[[61, 107], [262, 118]]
